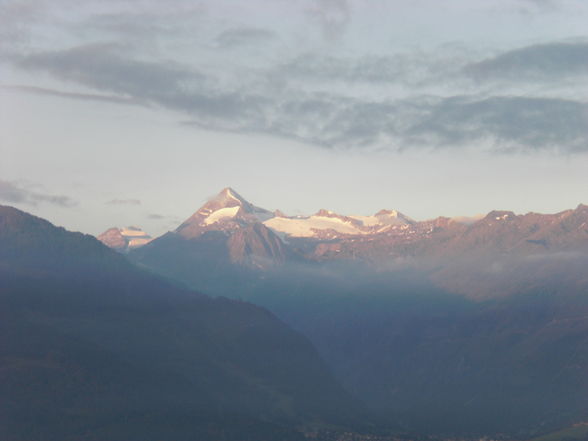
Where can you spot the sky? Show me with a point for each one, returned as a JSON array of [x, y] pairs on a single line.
[[116, 113]]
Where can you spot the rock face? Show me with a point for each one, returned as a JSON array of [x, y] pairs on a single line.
[[124, 239], [256, 246]]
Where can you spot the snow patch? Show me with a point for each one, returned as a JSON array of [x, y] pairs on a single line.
[[232, 196], [367, 221], [132, 232], [138, 242], [305, 227], [223, 213], [383, 218]]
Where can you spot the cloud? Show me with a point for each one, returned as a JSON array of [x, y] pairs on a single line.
[[104, 67], [413, 71], [542, 62], [155, 216], [376, 69], [13, 193], [75, 95], [501, 124], [16, 19], [124, 202], [508, 122], [168, 84], [537, 6], [244, 36], [333, 17], [273, 104], [131, 26]]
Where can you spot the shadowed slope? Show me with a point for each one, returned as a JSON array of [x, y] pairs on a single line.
[[94, 349]]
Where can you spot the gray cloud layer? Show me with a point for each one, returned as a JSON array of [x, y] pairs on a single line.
[[232, 38], [450, 98], [333, 16], [542, 62], [503, 123], [13, 193], [124, 202], [74, 95], [103, 67]]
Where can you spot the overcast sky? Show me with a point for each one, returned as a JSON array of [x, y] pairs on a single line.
[[117, 113]]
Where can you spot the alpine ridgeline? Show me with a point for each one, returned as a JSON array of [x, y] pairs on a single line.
[[455, 326]]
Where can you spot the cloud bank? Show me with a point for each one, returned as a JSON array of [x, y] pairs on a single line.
[[14, 193], [124, 202], [522, 99]]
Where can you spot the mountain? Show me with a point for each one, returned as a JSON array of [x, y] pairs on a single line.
[[497, 255], [124, 239], [450, 327], [223, 242], [93, 348], [226, 212], [383, 237], [230, 237], [229, 211]]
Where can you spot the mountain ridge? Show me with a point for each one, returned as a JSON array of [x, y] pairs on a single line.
[[385, 236], [228, 211], [109, 351]]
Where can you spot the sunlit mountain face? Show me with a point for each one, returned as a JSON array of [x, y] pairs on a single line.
[[329, 220]]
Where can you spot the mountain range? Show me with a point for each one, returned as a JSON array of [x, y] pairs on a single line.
[[229, 230], [445, 328], [460, 327], [386, 233]]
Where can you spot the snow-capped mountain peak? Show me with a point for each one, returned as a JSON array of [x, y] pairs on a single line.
[[229, 197], [227, 211], [124, 239]]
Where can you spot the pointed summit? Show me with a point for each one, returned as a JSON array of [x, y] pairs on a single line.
[[227, 211], [228, 198]]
